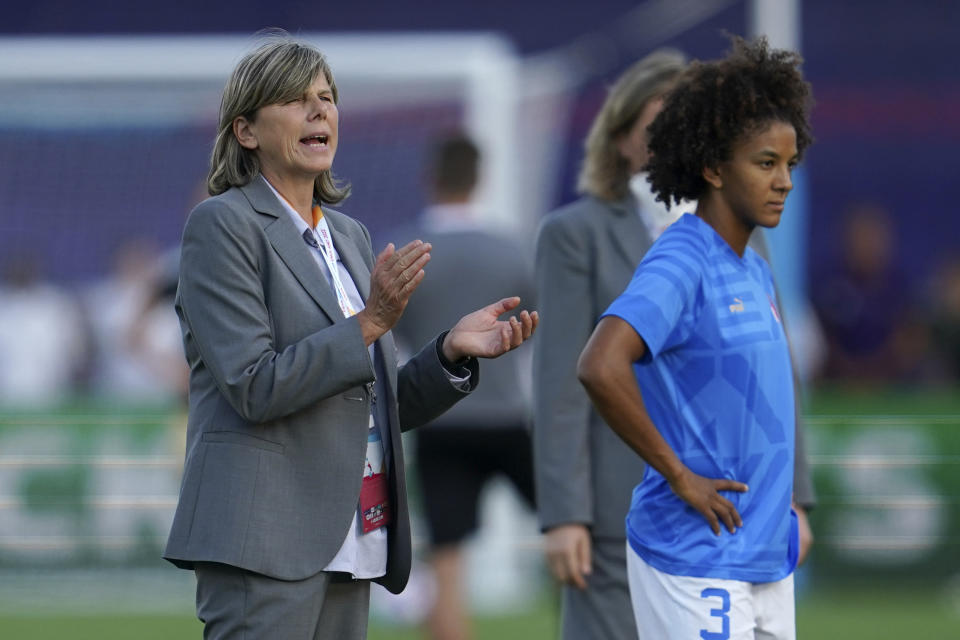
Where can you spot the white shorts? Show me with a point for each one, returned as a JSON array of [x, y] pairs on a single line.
[[669, 607]]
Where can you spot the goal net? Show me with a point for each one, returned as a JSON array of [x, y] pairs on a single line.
[[107, 139]]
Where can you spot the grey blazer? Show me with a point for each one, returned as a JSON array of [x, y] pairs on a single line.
[[586, 255], [279, 406]]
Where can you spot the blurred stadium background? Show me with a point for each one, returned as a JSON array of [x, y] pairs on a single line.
[[107, 114]]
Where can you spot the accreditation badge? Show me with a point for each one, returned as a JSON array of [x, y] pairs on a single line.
[[374, 504]]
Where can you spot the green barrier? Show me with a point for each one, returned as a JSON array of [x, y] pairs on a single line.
[[97, 486], [88, 486], [887, 472]]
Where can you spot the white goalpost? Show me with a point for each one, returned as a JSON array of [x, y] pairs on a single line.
[[110, 81]]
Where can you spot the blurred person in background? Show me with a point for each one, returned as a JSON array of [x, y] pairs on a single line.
[[154, 333], [691, 365], [120, 372], [42, 339], [865, 305], [586, 254], [154, 339], [293, 497], [487, 433], [945, 318]]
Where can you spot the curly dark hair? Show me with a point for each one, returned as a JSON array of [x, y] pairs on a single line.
[[715, 104]]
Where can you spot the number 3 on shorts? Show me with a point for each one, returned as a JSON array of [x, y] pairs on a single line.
[[721, 613]]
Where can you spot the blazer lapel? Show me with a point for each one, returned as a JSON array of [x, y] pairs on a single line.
[[291, 248]]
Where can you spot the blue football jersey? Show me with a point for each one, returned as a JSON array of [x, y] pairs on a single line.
[[718, 384]]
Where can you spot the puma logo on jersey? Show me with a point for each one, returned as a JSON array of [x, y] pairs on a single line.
[[737, 306]]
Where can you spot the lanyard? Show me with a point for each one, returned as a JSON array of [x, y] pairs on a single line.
[[327, 251], [374, 502]]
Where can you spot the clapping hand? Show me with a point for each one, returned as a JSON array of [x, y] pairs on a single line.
[[481, 335], [396, 275]]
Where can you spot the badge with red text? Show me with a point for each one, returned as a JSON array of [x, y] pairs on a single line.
[[374, 505]]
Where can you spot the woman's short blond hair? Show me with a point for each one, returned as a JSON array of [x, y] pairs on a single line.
[[279, 70], [605, 173]]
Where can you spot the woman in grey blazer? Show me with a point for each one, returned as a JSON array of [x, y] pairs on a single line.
[[293, 495], [586, 254]]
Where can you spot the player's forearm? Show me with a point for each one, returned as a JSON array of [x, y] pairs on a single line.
[[611, 385]]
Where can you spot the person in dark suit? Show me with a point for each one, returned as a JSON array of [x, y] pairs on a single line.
[[488, 433], [293, 496], [586, 254]]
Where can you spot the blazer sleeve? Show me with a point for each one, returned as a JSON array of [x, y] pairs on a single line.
[[424, 389], [227, 323], [562, 409], [803, 491]]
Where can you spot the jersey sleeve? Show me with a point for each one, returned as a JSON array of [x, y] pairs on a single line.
[[659, 302]]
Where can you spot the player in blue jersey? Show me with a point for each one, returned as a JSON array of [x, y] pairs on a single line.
[[690, 365]]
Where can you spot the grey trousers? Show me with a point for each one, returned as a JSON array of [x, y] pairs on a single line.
[[603, 611], [235, 604]]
